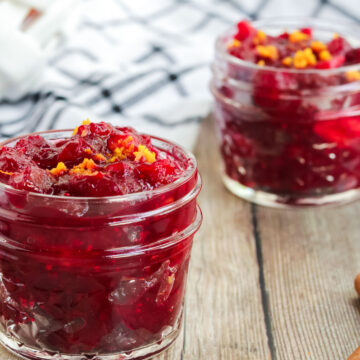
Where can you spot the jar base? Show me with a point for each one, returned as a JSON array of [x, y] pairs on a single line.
[[143, 353], [285, 202]]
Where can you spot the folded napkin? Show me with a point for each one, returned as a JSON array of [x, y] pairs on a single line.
[[137, 63]]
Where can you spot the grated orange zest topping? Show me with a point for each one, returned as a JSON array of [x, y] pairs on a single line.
[[119, 154], [310, 56], [304, 58], [144, 152], [127, 140], [287, 61], [268, 52], [318, 46], [100, 157], [325, 55], [59, 169], [171, 279], [6, 172], [85, 122], [300, 62], [126, 148], [87, 167], [260, 37], [352, 75], [298, 36], [234, 44]]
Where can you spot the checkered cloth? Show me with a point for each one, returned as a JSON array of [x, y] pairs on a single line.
[[142, 63]]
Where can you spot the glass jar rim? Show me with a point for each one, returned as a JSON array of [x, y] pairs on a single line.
[[303, 22], [188, 173]]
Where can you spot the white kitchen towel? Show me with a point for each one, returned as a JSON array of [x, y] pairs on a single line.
[[142, 63]]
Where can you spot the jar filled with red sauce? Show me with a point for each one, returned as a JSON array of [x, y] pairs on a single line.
[[287, 110], [96, 230]]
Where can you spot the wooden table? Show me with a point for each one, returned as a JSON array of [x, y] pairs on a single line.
[[268, 284]]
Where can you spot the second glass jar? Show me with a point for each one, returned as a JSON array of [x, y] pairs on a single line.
[[288, 136]]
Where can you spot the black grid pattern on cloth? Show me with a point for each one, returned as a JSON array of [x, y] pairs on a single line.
[[44, 109]]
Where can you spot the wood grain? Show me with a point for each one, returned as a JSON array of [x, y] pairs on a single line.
[[224, 311], [310, 259]]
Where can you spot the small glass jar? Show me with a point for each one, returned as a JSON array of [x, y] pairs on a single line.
[[288, 136], [96, 278]]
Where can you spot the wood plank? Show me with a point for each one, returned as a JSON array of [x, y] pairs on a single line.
[[311, 257], [224, 317]]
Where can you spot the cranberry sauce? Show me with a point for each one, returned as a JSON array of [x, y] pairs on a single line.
[[82, 275], [287, 114], [97, 160]]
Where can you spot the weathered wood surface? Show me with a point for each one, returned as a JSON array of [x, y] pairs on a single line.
[[296, 267], [310, 260], [267, 284], [224, 315]]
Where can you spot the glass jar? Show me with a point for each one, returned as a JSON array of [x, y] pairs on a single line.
[[288, 136], [96, 278]]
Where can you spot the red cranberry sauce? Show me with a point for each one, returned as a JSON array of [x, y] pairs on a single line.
[[98, 160], [91, 304], [292, 129], [298, 49], [81, 275]]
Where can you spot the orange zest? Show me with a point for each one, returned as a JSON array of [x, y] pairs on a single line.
[[352, 75], [268, 51], [6, 173], [304, 58], [85, 122], [298, 36], [124, 149], [118, 154], [144, 153], [171, 279], [59, 169], [234, 44], [100, 157], [287, 61], [87, 167], [318, 46], [325, 55], [260, 37]]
